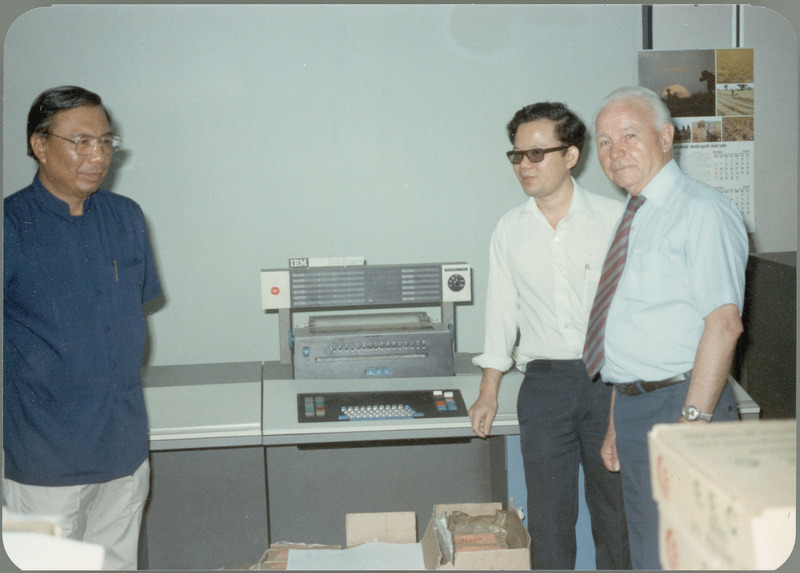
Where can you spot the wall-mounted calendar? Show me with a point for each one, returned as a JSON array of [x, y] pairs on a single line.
[[710, 94]]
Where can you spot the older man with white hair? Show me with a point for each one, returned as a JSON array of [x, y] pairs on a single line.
[[666, 317]]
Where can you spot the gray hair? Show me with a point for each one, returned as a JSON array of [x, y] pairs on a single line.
[[661, 114]]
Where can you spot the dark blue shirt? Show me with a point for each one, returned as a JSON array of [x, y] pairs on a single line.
[[73, 337]]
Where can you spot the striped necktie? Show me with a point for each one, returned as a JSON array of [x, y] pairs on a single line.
[[594, 349]]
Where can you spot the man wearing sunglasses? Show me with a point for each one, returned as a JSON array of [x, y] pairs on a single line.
[[77, 268], [545, 262]]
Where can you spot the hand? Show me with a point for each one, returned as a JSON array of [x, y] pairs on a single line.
[[608, 451], [482, 414]]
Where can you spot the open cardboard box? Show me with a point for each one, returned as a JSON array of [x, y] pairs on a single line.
[[401, 528], [516, 556]]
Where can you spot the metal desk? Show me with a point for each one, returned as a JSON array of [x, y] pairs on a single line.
[[232, 463], [252, 403]]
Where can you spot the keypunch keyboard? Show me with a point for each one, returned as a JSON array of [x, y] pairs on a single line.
[[384, 405]]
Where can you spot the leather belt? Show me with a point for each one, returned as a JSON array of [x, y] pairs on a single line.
[[636, 388]]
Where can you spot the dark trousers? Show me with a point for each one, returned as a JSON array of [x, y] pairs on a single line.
[[634, 416], [563, 417]]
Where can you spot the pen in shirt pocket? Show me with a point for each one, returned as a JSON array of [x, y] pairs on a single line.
[[116, 271], [588, 268]]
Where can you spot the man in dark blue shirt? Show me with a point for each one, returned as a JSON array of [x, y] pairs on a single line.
[[77, 268]]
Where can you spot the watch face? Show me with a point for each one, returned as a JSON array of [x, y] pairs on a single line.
[[690, 413]]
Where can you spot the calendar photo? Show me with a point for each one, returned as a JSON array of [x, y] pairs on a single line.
[[711, 95]]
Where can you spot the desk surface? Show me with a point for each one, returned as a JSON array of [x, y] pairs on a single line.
[[254, 403], [203, 405]]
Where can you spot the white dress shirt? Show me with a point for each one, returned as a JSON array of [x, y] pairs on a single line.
[[542, 280]]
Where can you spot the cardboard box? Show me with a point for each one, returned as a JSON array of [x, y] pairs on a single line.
[[729, 485], [400, 528], [680, 549], [517, 555], [388, 527]]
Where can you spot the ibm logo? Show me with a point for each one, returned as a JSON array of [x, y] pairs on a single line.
[[298, 263]]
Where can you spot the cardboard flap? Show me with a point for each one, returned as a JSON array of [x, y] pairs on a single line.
[[468, 508], [389, 527]]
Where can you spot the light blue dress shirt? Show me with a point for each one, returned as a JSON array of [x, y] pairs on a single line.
[[687, 254]]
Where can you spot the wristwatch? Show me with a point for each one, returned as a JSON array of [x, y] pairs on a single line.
[[691, 414]]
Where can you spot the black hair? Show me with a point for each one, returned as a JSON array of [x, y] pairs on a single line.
[[569, 129], [55, 100]]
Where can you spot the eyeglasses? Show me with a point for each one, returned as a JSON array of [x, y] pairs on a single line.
[[86, 144], [534, 155]]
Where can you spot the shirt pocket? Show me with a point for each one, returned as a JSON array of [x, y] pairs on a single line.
[[126, 270], [128, 279], [652, 276]]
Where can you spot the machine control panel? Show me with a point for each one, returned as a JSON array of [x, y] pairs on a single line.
[[382, 405], [364, 285]]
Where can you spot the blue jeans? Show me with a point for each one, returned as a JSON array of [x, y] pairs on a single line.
[[563, 417], [634, 416]]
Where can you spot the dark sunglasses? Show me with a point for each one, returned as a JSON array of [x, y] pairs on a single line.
[[534, 155]]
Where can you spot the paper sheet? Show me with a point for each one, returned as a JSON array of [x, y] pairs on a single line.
[[369, 556]]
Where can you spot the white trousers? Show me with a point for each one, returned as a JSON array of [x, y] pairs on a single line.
[[108, 513]]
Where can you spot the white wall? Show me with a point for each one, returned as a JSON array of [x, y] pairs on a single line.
[[253, 134]]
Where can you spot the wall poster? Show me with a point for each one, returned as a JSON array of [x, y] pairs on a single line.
[[710, 94]]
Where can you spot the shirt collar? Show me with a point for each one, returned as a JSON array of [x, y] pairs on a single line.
[[578, 204], [580, 201], [55, 205], [660, 186]]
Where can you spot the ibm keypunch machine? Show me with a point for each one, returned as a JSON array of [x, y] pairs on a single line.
[[368, 344]]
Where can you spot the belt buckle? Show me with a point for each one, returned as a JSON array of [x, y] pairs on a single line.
[[629, 389]]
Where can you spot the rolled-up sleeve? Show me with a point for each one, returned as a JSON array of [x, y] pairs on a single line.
[[502, 309]]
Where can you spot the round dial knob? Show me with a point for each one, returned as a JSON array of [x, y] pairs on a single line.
[[456, 283]]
